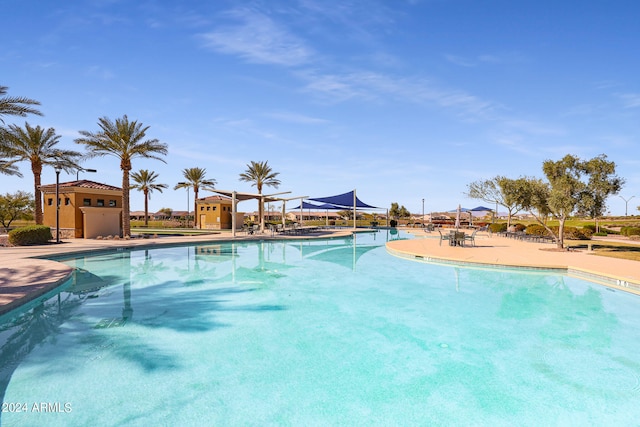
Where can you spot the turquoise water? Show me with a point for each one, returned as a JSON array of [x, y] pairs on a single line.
[[318, 333]]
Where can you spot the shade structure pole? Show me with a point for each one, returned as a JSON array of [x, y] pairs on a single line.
[[301, 211], [233, 213], [283, 213], [354, 209], [261, 201]]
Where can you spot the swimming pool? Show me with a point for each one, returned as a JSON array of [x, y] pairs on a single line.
[[333, 332]]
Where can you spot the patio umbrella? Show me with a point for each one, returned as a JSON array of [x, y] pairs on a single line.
[[458, 217]]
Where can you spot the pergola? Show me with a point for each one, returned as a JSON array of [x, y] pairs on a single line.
[[237, 197]]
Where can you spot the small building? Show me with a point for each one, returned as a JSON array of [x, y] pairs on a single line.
[[214, 212], [88, 209]]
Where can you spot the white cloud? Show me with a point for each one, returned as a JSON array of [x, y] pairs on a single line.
[[259, 39], [295, 118], [630, 100]]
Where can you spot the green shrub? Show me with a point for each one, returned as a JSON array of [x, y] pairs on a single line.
[[536, 230], [600, 234], [498, 227], [30, 235], [519, 227], [630, 231], [574, 233], [591, 227]]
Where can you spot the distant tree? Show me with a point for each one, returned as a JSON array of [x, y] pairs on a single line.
[[16, 105], [573, 185], [196, 179], [166, 211], [499, 190], [260, 174], [346, 214], [14, 206], [124, 140], [38, 147], [394, 210], [145, 181]]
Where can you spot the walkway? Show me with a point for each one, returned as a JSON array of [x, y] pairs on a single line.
[[501, 251]]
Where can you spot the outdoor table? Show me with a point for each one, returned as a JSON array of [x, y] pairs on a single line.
[[456, 238]]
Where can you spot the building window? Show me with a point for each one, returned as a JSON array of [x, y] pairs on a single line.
[[208, 208], [214, 208], [100, 202], [86, 202], [201, 208], [67, 201], [50, 201], [112, 203]]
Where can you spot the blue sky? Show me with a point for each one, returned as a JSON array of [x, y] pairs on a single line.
[[400, 100]]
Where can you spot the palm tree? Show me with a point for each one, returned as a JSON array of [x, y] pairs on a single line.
[[195, 177], [125, 140], [260, 173], [37, 146], [144, 181], [16, 106]]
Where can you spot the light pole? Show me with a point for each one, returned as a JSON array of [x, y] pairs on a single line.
[[186, 185], [58, 169], [422, 213], [626, 203], [83, 170]]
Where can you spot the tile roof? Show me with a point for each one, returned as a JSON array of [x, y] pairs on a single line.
[[215, 199], [83, 183]]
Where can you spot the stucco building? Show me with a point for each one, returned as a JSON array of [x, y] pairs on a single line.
[[214, 212], [87, 209]]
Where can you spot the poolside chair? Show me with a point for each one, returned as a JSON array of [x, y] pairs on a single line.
[[443, 236], [471, 237]]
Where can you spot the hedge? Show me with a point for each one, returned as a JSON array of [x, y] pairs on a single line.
[[30, 235], [630, 231]]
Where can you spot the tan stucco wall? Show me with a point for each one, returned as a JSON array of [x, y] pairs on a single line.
[[100, 221], [71, 216], [217, 217]]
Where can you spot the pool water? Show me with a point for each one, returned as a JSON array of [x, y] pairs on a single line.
[[334, 332]]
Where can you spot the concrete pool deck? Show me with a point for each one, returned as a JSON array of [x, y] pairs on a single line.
[[505, 252], [25, 277]]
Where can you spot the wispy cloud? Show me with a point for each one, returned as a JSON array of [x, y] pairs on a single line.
[[258, 39], [458, 60], [630, 100], [100, 72], [372, 86], [295, 118], [474, 61]]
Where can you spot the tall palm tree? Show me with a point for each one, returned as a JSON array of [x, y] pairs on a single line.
[[145, 182], [260, 173], [124, 140], [195, 178], [16, 105], [37, 146]]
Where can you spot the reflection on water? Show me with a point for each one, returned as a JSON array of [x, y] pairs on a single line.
[[341, 322]]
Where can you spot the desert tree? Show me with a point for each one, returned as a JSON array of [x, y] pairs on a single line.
[[38, 146], [144, 180], [196, 178], [126, 140], [260, 174]]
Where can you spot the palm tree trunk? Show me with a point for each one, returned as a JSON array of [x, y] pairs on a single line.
[[37, 173], [146, 207], [126, 220], [195, 205]]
